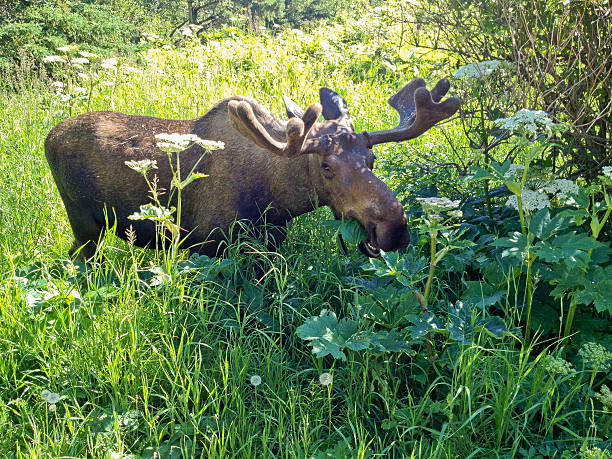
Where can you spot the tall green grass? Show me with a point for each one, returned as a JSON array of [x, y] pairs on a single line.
[[155, 364]]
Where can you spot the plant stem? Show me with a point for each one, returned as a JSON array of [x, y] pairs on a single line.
[[432, 265]]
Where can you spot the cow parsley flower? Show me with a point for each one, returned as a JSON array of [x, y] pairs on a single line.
[[514, 171], [187, 32], [607, 171], [79, 60], [562, 188], [605, 397], [530, 121], [87, 54], [532, 200], [255, 380], [49, 59], [435, 205], [325, 379], [127, 68], [179, 142], [480, 69], [557, 366], [143, 166], [596, 356]]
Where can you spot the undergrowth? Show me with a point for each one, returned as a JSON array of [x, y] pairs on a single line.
[[145, 358]]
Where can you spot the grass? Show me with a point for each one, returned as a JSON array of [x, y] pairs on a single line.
[[150, 362]]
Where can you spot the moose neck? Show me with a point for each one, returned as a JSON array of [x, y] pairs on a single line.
[[292, 186]]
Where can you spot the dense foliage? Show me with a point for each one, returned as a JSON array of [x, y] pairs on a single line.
[[488, 337]]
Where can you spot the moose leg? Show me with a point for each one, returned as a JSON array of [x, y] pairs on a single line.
[[86, 232]]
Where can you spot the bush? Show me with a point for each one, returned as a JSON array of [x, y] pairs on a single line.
[[39, 29]]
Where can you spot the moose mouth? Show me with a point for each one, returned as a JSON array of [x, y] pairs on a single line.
[[369, 249]]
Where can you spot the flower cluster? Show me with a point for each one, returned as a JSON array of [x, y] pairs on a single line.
[[607, 172], [562, 188], [432, 206], [515, 171], [480, 69], [605, 397], [529, 121], [596, 356], [178, 142], [143, 166], [532, 200], [557, 366]]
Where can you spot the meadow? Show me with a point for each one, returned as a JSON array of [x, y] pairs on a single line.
[[423, 353]]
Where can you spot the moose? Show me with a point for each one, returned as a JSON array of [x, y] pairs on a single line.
[[278, 168]]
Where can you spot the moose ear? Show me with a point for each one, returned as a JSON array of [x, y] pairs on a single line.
[[334, 106], [293, 109]]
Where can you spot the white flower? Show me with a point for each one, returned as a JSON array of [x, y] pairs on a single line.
[[607, 171], [66, 49], [167, 47], [87, 54], [79, 60], [514, 171], [53, 398], [79, 90], [52, 408], [435, 205], [187, 32], [142, 166], [58, 85], [480, 69], [605, 397], [562, 187], [129, 69], [255, 380], [532, 200], [45, 394], [325, 379], [83, 75], [531, 121], [53, 59], [110, 61], [178, 142]]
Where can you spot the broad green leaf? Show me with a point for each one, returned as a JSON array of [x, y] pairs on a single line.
[[569, 247], [482, 294], [423, 324], [352, 231]]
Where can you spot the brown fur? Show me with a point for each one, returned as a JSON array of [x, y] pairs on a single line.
[[87, 155]]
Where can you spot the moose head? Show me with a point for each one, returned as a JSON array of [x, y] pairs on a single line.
[[342, 177]]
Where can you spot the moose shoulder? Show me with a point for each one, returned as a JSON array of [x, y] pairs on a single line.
[[282, 169]]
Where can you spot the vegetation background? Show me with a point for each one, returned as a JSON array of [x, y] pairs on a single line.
[[490, 336]]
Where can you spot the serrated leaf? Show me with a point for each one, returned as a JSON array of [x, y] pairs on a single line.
[[352, 231], [569, 247], [390, 341], [422, 324], [482, 294]]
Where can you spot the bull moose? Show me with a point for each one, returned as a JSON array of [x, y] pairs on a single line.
[[282, 168]]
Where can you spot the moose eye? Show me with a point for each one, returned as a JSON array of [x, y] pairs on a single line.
[[327, 172]]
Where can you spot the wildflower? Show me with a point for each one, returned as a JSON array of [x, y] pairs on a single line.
[[82, 75], [66, 48], [53, 398], [47, 59], [479, 69], [325, 379], [557, 366], [596, 356], [129, 69], [605, 397], [514, 171], [187, 32], [532, 200], [255, 380], [44, 394], [87, 54], [142, 166], [531, 121], [111, 61], [562, 187], [79, 90], [167, 47], [79, 60], [58, 85], [178, 142], [607, 171], [435, 205], [52, 408]]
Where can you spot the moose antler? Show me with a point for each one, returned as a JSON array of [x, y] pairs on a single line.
[[244, 120], [419, 110]]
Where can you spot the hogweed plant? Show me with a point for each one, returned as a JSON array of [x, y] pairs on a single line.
[[160, 215], [544, 238]]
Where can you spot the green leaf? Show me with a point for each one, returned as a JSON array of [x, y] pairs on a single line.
[[569, 248], [482, 294], [390, 341], [327, 335], [352, 231], [423, 324]]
